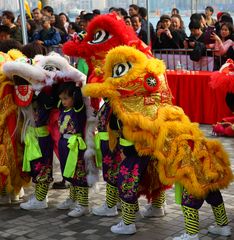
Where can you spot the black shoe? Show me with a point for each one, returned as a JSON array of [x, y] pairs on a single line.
[[60, 185]]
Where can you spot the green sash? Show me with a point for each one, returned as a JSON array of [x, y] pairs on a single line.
[[178, 193], [32, 149], [125, 143], [75, 142], [100, 136]]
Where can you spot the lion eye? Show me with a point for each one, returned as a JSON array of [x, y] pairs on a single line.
[[50, 68], [121, 69], [100, 36]]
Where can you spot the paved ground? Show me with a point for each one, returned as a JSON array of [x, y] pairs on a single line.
[[17, 224]]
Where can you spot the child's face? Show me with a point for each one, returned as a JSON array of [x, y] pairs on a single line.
[[66, 100]]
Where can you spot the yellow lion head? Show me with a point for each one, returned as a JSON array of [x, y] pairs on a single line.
[[133, 81]]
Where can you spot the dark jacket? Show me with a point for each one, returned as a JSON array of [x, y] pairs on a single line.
[[49, 37], [152, 33], [176, 42], [199, 49], [143, 36], [16, 34]]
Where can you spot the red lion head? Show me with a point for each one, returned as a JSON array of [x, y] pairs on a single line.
[[104, 33]]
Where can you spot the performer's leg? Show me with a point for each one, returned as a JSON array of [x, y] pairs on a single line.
[[127, 225], [41, 190], [41, 172], [110, 168], [69, 202], [157, 207], [216, 201], [82, 202], [72, 193], [191, 220], [38, 200], [131, 171], [190, 207], [129, 212], [81, 189], [111, 195], [81, 195], [160, 201], [108, 208]]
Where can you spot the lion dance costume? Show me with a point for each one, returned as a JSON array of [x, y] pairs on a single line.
[[41, 74], [224, 81], [178, 151], [104, 33], [11, 176]]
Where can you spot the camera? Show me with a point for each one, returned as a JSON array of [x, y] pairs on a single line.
[[208, 33]]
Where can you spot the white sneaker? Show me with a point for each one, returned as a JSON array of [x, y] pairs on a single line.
[[67, 204], [104, 210], [151, 211], [78, 211], [33, 204], [5, 199], [122, 228], [220, 230], [186, 236]]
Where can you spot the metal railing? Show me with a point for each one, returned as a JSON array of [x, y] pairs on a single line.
[[172, 57]]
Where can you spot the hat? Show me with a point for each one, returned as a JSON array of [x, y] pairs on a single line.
[[219, 14], [165, 17]]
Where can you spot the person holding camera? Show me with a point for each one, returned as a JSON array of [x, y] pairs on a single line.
[[168, 37], [222, 43], [196, 41]]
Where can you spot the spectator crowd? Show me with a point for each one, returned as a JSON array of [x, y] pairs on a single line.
[[46, 30]]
